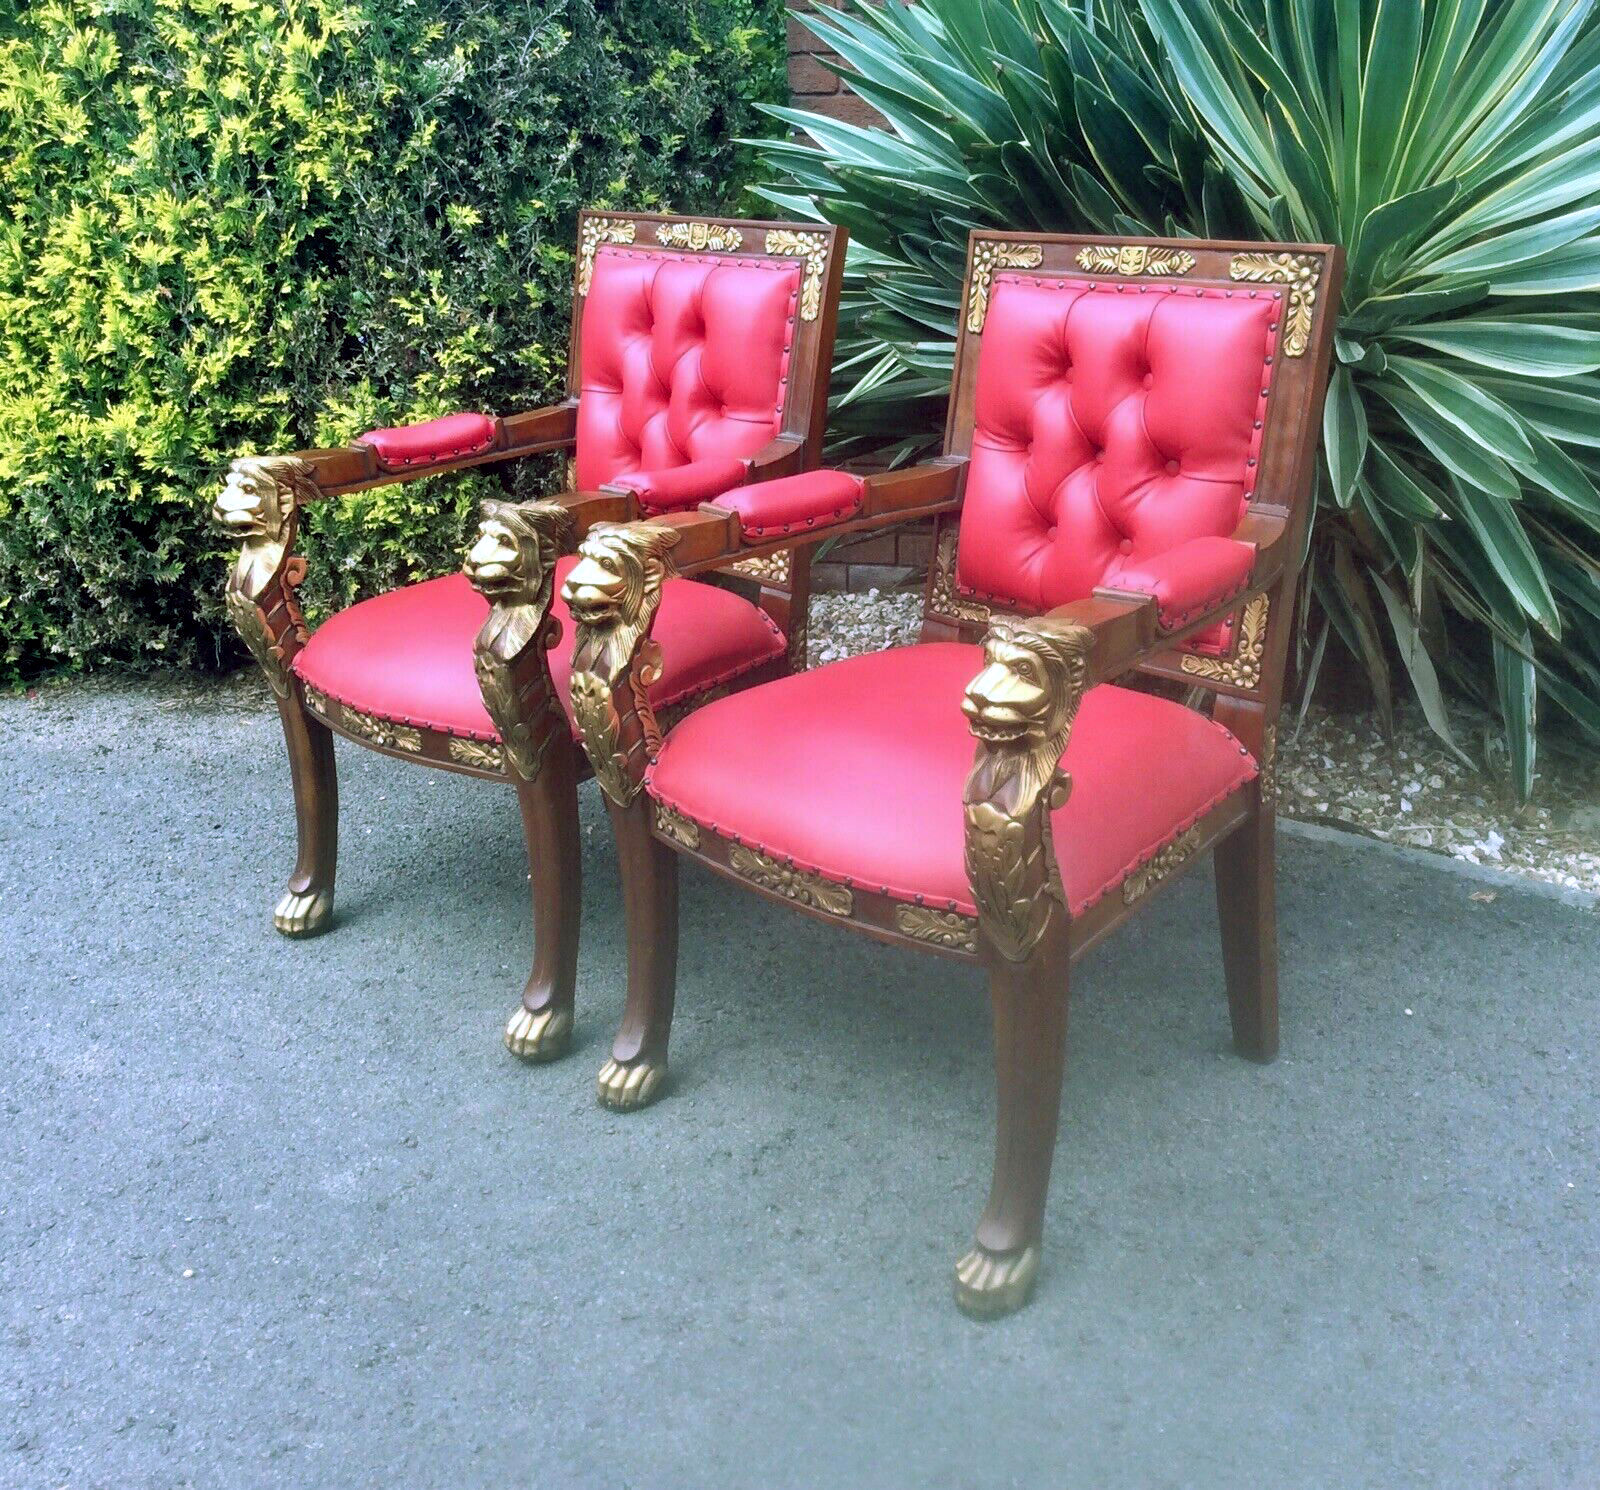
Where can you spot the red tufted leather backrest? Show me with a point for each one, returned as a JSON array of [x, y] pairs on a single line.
[[685, 357], [1112, 422]]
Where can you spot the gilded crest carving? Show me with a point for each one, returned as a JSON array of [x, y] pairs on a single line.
[[1243, 668], [595, 231], [700, 236], [988, 257], [946, 599], [1129, 259], [513, 566], [1020, 708], [939, 928], [1150, 874], [1299, 273], [613, 592], [813, 248], [793, 884]]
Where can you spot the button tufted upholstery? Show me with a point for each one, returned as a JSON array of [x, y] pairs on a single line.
[[407, 655], [684, 359], [1113, 423], [854, 771]]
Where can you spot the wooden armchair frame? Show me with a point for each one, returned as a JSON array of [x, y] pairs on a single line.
[[1021, 708], [512, 564]]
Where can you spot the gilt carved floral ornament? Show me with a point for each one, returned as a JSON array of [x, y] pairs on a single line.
[[1299, 273], [595, 231], [813, 248], [988, 257], [1133, 258]]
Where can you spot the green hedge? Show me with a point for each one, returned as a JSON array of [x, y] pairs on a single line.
[[236, 225]]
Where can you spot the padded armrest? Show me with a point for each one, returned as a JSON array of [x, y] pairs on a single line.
[[1188, 581], [791, 503], [432, 442], [682, 486]]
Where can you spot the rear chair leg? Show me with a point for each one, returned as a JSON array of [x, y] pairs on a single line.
[[632, 1077], [541, 1027], [1030, 1042], [307, 904], [1246, 870]]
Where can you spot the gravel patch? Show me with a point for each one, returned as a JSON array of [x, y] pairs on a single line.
[[1338, 769]]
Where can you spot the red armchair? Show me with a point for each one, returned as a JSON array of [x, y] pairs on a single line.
[[1129, 450], [700, 358]]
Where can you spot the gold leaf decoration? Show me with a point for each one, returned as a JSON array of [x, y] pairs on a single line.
[[699, 236], [770, 569], [1134, 258], [384, 732], [1020, 709], [1243, 669], [595, 231], [946, 599], [1150, 874], [793, 884], [316, 701], [989, 256], [941, 928], [813, 248], [1299, 273], [599, 728], [1268, 766], [250, 621], [677, 827], [483, 754]]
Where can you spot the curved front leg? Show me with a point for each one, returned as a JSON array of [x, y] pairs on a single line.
[[1020, 708], [513, 565], [612, 593], [260, 504]]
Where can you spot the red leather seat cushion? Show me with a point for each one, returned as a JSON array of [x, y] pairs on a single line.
[[684, 357], [1113, 422], [434, 440], [407, 655], [855, 772]]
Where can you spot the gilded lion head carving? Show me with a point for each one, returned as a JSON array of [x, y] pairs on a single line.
[[513, 561], [616, 583], [261, 495], [1032, 678]]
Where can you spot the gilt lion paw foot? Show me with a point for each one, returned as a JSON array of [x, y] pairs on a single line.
[[990, 1284], [539, 1035], [303, 912], [623, 1086]]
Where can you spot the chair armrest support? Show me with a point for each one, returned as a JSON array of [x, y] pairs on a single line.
[[513, 565], [716, 534], [358, 465]]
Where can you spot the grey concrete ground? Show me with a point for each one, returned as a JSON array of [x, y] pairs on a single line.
[[278, 1214]]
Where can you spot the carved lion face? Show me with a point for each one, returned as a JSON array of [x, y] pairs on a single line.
[[514, 558], [1031, 678], [258, 496], [619, 567], [498, 564]]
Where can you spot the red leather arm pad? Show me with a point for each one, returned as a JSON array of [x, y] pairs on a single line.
[[792, 504], [1189, 580], [431, 442], [683, 486]]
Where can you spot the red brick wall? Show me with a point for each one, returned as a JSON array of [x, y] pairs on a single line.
[[813, 86], [874, 560]]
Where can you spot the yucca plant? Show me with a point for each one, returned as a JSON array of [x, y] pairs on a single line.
[[1452, 147]]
